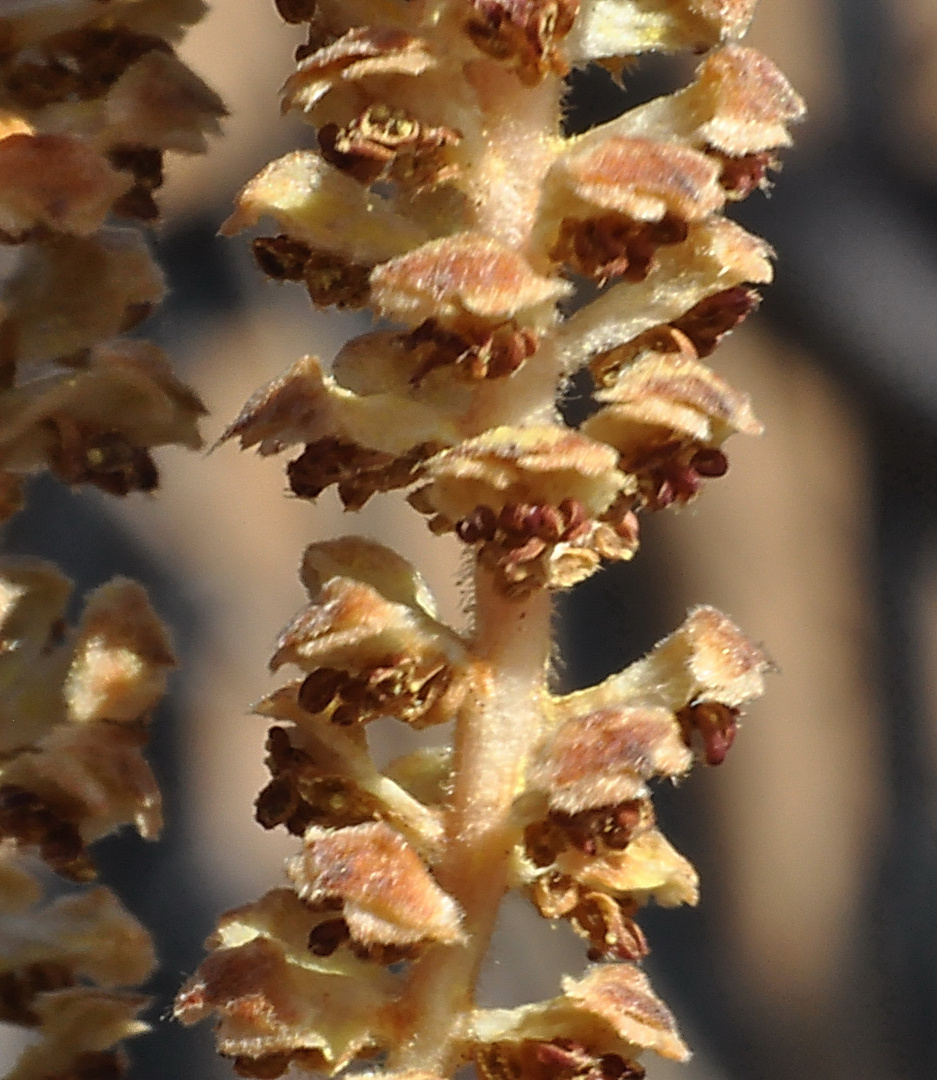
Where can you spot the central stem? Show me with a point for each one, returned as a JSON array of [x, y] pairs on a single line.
[[494, 739], [497, 731]]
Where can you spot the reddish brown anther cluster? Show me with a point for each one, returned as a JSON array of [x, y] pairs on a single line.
[[716, 725], [388, 143], [329, 279], [304, 792], [613, 245], [476, 351], [358, 473], [707, 322], [556, 1059], [525, 32]]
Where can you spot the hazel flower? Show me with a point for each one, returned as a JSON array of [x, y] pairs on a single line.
[[737, 111], [68, 293], [715, 260], [274, 1009], [590, 851], [544, 504], [83, 706], [597, 864], [346, 439], [611, 204], [79, 1028], [322, 775], [703, 673], [87, 936], [369, 642], [444, 197], [54, 182], [384, 891], [96, 424], [286, 988], [597, 1028], [319, 206], [668, 416]]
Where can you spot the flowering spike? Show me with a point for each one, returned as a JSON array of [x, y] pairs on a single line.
[[444, 198], [92, 98]]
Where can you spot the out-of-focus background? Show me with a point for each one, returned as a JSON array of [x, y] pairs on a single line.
[[814, 951]]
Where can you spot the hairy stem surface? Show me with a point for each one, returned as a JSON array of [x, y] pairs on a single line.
[[493, 743]]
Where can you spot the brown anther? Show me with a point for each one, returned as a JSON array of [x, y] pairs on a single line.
[[543, 841], [280, 750], [479, 525], [594, 247], [346, 715], [525, 31], [276, 803], [618, 827], [358, 157], [525, 552], [555, 895], [327, 461], [709, 462], [325, 938], [742, 175], [28, 819], [669, 230], [628, 527], [574, 518], [578, 829], [137, 204], [552, 525], [145, 163], [611, 931], [95, 1065], [331, 280], [613, 245], [717, 725], [318, 690], [106, 459], [64, 850], [296, 11], [509, 351], [19, 988], [520, 519], [281, 257], [268, 1067], [383, 955], [707, 322], [613, 1067]]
